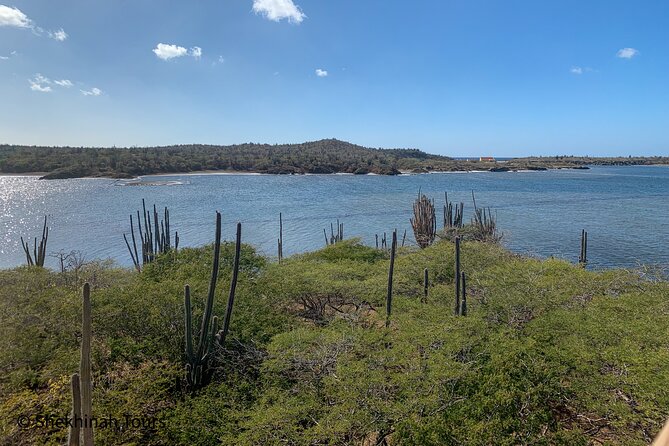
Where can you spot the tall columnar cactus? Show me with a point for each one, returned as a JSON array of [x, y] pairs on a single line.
[[583, 256], [86, 382], [81, 432], [426, 284], [155, 238], [463, 301], [280, 241], [389, 295], [197, 359], [453, 214], [39, 251], [220, 337], [485, 222], [424, 221], [457, 276], [74, 433], [335, 237]]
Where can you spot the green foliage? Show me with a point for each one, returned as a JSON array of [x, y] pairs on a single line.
[[549, 354], [324, 156]]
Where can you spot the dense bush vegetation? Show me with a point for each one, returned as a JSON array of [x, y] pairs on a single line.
[[325, 156], [549, 354]]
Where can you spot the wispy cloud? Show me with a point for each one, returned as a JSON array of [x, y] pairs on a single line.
[[12, 54], [277, 10], [166, 51], [627, 53], [92, 92], [59, 35], [321, 73], [14, 17], [45, 85], [581, 70], [64, 83], [40, 83]]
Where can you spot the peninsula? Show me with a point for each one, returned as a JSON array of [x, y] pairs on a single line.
[[326, 156]]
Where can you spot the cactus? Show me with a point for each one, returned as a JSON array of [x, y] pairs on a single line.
[[426, 284], [335, 237], [74, 431], [82, 388], [389, 295], [583, 256], [197, 360], [463, 302], [457, 276], [86, 386], [154, 239], [485, 222], [280, 241], [220, 337], [424, 222], [453, 219], [39, 252]]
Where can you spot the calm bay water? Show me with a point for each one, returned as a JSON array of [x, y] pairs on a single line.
[[624, 209]]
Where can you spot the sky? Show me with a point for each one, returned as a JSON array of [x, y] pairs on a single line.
[[459, 78]]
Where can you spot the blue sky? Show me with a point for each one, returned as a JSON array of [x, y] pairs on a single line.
[[467, 77]]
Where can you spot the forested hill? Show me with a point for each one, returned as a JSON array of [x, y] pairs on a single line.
[[324, 156]]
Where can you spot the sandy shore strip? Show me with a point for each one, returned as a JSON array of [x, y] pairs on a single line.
[[26, 174]]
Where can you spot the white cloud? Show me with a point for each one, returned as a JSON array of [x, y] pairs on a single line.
[[165, 51], [321, 73], [627, 53], [14, 17], [64, 83], [59, 35], [38, 87], [92, 92], [40, 83], [576, 70], [4, 57], [277, 10]]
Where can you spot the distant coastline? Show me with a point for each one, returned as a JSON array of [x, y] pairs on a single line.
[[329, 156]]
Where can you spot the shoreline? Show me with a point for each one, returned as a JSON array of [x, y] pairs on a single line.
[[401, 172], [250, 173]]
